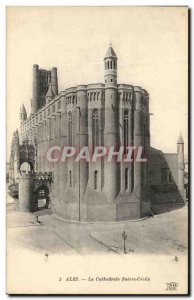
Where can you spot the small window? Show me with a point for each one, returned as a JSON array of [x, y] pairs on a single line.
[[111, 80]]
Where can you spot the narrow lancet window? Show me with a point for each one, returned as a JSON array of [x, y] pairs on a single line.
[[70, 133], [95, 180], [126, 179], [126, 130], [95, 128]]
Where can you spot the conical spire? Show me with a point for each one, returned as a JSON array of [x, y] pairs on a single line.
[[180, 139], [110, 52], [22, 109], [50, 93]]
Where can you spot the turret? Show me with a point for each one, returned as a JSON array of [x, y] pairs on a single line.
[[138, 142], [180, 155], [180, 144], [49, 95], [35, 89], [54, 80], [25, 191], [23, 114], [111, 184], [110, 63], [111, 103]]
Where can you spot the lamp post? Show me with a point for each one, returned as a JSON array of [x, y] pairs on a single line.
[[124, 236]]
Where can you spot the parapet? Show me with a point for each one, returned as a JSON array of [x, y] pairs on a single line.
[[95, 86], [71, 90], [125, 86], [42, 175], [26, 174], [81, 87]]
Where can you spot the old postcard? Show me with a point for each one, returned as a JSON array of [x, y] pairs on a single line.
[[97, 150]]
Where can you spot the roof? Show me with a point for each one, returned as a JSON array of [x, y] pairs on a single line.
[[180, 139], [110, 53]]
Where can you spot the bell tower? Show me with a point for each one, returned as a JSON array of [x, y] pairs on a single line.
[[23, 114], [111, 182], [110, 64]]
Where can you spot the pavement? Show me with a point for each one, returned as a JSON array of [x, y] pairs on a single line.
[[162, 234]]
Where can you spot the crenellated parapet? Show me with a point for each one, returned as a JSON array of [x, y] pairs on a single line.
[[43, 177]]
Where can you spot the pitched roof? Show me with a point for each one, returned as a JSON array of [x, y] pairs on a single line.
[[50, 93]]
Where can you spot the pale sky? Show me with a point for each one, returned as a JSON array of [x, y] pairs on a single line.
[[152, 50]]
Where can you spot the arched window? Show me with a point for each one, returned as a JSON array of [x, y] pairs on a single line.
[[96, 180], [70, 128], [126, 130], [70, 179], [126, 179], [95, 128], [114, 64], [111, 64], [108, 64]]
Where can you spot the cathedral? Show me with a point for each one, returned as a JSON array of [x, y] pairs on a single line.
[[108, 114]]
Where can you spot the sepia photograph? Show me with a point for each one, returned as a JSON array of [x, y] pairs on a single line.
[[97, 197]]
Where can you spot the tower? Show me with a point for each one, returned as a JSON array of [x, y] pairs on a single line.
[[54, 81], [35, 89], [111, 119], [42, 79], [110, 64], [23, 114], [25, 191], [180, 155]]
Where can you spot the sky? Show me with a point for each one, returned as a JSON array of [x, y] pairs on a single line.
[[151, 44]]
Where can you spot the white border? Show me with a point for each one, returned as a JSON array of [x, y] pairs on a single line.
[[3, 5]]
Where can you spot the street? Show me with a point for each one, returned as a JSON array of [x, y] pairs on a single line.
[[162, 234]]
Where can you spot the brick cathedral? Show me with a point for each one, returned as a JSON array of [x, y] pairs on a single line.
[[103, 114]]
